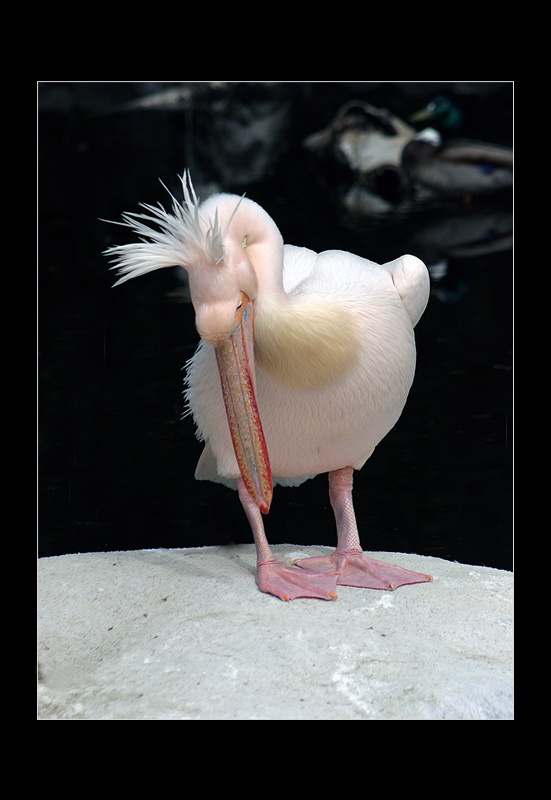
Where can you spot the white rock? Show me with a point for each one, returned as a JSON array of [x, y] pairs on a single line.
[[186, 634]]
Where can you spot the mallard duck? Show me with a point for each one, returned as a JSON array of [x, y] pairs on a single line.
[[457, 168]]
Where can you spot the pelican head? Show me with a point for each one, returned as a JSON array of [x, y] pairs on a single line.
[[213, 242]]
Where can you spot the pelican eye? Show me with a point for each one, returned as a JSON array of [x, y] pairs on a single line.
[[241, 305], [244, 242]]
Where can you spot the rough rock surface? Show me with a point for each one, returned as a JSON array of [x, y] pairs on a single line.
[[185, 634]]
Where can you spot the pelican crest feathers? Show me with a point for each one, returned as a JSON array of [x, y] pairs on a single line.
[[182, 238]]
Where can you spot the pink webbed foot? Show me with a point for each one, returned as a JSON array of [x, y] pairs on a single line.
[[356, 569], [288, 583]]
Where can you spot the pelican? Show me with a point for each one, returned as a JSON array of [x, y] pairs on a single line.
[[304, 365]]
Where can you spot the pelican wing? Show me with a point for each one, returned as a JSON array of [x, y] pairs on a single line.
[[411, 279]]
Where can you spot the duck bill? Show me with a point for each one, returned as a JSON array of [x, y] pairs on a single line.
[[236, 366]]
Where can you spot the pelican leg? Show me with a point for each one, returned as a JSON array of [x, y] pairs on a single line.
[[274, 577], [355, 568]]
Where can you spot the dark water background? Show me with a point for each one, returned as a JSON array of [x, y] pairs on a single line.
[[116, 460]]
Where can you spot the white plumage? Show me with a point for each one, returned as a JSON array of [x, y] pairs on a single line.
[[339, 422], [334, 358]]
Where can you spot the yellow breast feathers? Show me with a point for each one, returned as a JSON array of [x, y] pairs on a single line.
[[307, 345]]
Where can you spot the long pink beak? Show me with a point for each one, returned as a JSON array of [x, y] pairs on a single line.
[[236, 366]]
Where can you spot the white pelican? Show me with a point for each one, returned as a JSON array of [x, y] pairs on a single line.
[[311, 386]]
